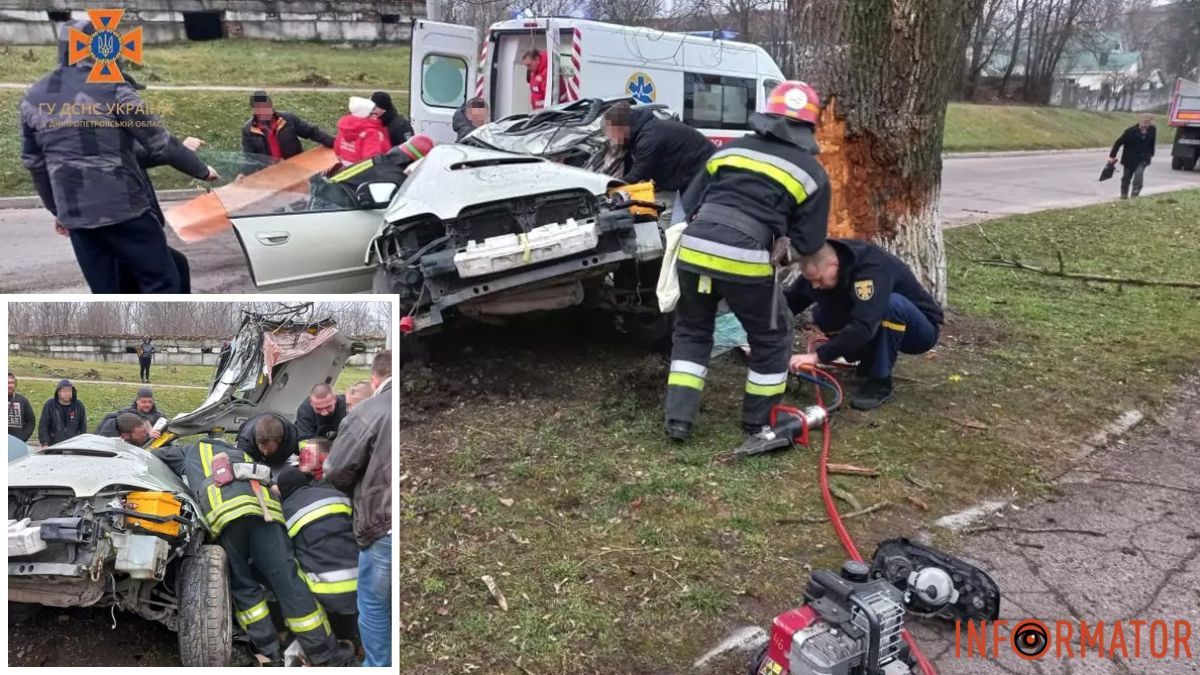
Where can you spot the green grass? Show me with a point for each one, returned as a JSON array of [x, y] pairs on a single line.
[[249, 63], [101, 399], [971, 128], [614, 538]]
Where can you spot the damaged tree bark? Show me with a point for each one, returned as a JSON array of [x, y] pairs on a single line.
[[885, 69]]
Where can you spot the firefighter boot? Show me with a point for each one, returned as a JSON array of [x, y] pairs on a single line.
[[873, 393], [343, 656], [679, 430]]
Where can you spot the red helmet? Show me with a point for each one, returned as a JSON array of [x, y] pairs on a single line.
[[794, 100]]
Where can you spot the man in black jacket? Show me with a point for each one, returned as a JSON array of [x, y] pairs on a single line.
[[668, 152], [143, 405], [321, 414], [872, 306], [268, 438], [1139, 141], [754, 196], [469, 117], [273, 135], [63, 416], [398, 127], [20, 413]]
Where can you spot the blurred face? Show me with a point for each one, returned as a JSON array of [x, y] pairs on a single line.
[[145, 405], [263, 112], [1144, 123], [823, 276], [323, 406], [617, 135], [477, 115], [268, 447], [139, 436], [65, 395], [377, 111], [12, 385], [529, 62]]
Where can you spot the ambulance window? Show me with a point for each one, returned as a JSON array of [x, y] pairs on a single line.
[[768, 87], [718, 102], [443, 81]]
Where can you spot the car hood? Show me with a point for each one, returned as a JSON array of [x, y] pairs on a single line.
[[88, 464], [268, 366], [453, 177]]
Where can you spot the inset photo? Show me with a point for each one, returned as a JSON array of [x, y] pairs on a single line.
[[200, 483]]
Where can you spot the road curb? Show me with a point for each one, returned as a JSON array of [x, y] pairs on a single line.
[[35, 202], [1027, 153]]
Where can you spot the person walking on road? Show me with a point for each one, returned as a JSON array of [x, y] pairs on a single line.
[[668, 152], [20, 413], [1138, 142], [63, 416], [78, 141], [360, 463], [272, 135], [757, 197], [256, 548], [145, 354]]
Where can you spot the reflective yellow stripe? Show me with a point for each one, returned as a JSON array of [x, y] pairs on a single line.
[[256, 613], [306, 623], [206, 456], [705, 285], [899, 327], [327, 587], [789, 182], [765, 389], [352, 171], [214, 497], [719, 264], [331, 510], [685, 380], [236, 508]]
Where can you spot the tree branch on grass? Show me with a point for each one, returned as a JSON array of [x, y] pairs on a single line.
[[1036, 530], [1102, 278]]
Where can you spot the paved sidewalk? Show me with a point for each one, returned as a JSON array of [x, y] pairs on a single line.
[[1142, 497]]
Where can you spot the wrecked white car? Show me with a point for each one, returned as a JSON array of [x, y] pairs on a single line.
[[94, 521]]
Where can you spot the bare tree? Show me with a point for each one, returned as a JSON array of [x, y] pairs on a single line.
[[885, 70], [1020, 19], [992, 26], [628, 12]]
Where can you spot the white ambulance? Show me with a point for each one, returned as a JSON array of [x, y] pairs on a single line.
[[713, 85]]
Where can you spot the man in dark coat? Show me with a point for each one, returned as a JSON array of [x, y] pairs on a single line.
[[398, 127], [63, 416], [20, 413], [469, 117], [79, 141], [272, 135], [268, 438], [321, 414], [1139, 141], [668, 152], [144, 406]]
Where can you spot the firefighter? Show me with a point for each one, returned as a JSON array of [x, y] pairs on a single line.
[[754, 197], [256, 549], [321, 527], [872, 306]]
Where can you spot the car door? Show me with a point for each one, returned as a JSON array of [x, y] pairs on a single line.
[[309, 252], [442, 75]]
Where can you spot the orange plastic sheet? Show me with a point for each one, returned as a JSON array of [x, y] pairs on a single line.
[[264, 191]]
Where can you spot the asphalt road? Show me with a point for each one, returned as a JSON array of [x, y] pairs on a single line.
[[35, 260]]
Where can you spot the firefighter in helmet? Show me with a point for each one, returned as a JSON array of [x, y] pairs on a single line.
[[255, 548], [755, 197]]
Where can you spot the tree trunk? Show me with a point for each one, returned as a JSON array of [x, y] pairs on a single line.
[[1016, 47], [884, 69]]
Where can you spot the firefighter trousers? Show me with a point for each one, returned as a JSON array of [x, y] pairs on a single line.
[[753, 303], [252, 544]]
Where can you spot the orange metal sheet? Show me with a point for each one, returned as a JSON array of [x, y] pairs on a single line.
[[261, 192]]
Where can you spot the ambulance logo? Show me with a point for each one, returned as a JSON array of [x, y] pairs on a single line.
[[104, 46], [641, 88]]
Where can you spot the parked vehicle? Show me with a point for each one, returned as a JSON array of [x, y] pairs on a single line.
[[713, 84], [1185, 117]]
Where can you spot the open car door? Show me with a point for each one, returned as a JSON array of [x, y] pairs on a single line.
[[309, 252], [442, 76]]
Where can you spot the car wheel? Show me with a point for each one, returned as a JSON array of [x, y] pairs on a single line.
[[1177, 163], [205, 615], [651, 332], [1189, 164]]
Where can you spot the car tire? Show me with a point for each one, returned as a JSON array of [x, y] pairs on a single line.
[[205, 613], [1177, 163], [652, 332], [1189, 164]]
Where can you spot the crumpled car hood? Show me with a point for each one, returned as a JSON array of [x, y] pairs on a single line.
[[440, 184], [87, 474]]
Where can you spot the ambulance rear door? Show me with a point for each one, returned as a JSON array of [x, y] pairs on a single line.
[[442, 76]]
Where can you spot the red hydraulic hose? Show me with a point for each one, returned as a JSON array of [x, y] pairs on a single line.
[[840, 528]]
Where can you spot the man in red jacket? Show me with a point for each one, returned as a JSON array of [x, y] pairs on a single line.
[[537, 66]]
